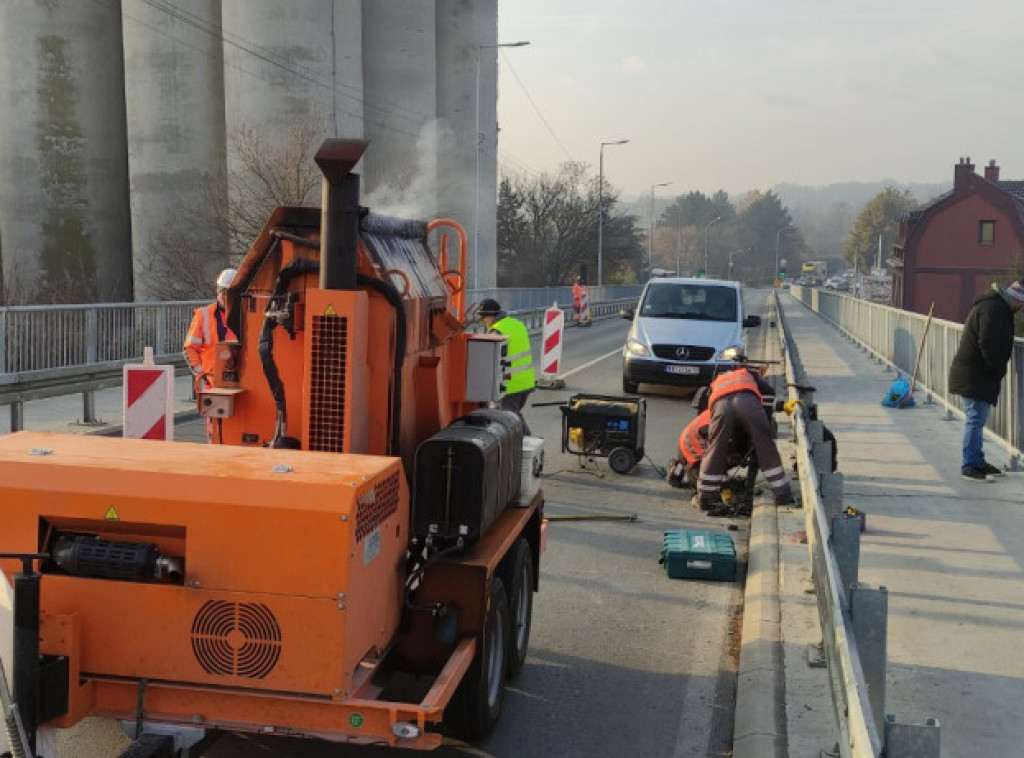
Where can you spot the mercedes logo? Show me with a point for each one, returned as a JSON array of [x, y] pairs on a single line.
[[682, 353]]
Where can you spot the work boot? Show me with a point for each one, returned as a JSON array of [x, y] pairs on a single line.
[[706, 502], [786, 497]]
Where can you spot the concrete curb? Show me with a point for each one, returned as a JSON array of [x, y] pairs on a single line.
[[759, 726]]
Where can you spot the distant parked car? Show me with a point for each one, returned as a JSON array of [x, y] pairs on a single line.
[[838, 283]]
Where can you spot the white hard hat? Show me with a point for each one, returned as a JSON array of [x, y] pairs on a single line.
[[225, 278]]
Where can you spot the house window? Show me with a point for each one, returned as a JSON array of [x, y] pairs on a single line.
[[987, 232]]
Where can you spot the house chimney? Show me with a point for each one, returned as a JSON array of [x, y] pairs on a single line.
[[963, 172], [992, 171]]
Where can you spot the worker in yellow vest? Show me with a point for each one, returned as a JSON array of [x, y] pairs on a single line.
[[522, 380], [735, 400]]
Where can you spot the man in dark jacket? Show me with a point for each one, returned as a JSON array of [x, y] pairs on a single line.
[[978, 368]]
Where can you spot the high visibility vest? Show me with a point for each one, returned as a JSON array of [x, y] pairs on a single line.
[[691, 441], [737, 380], [519, 354], [577, 294], [204, 333]]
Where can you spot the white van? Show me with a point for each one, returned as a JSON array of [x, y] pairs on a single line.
[[681, 328]]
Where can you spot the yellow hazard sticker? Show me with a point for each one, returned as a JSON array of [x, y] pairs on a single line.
[[330, 311], [111, 514]]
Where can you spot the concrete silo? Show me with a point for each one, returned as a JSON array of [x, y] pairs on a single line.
[[400, 107], [174, 91], [467, 176], [292, 76], [63, 167]]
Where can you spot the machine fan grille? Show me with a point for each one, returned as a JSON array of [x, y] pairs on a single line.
[[236, 639], [375, 510], [327, 383]]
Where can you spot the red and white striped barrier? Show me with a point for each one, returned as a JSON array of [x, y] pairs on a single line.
[[551, 342], [148, 400], [585, 307]]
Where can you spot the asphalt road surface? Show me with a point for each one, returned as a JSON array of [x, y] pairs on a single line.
[[623, 660]]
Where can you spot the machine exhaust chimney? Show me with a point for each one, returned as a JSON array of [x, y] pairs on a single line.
[[339, 224]]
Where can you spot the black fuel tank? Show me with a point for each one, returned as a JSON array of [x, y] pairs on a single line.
[[462, 478]]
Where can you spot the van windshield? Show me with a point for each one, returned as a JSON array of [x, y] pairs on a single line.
[[693, 301]]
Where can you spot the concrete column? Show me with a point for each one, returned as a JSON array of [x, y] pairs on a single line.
[[174, 87], [400, 85], [292, 77], [461, 28], [63, 166]]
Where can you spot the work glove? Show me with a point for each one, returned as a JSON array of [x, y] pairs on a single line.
[[790, 405]]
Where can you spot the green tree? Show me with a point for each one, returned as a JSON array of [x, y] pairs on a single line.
[[762, 226], [879, 219]]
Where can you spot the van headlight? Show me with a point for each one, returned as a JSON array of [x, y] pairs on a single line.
[[733, 353], [636, 347]]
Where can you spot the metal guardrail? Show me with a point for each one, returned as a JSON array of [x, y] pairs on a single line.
[[853, 615], [51, 351], [892, 337]]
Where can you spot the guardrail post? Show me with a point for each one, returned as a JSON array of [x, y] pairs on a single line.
[[911, 740], [846, 549], [89, 407], [17, 416], [869, 614], [831, 491]]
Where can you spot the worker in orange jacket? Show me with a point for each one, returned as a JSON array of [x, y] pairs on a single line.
[[208, 328], [693, 441], [736, 400], [579, 289]]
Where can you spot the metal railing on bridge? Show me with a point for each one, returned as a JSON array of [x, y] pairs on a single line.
[[892, 337], [53, 350], [853, 615]]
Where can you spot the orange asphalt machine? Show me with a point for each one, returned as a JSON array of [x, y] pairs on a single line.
[[352, 525]]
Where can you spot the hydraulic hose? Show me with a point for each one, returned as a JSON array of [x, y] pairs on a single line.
[[266, 343]]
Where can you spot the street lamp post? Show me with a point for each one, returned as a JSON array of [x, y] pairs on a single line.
[[736, 252], [600, 211], [775, 273], [479, 144], [679, 236], [707, 272], [650, 235]]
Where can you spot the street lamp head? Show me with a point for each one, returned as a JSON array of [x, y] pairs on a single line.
[[524, 43], [617, 142]]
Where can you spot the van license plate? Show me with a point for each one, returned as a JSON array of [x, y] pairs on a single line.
[[683, 369]]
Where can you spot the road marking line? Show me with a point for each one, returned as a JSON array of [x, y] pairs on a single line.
[[617, 351]]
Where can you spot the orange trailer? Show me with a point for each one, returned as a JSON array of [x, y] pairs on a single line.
[[276, 582]]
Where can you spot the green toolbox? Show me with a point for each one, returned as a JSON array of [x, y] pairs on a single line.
[[695, 554]]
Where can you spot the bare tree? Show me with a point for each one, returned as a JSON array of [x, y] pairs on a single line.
[[216, 227]]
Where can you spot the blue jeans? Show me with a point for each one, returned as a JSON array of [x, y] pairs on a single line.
[[974, 431]]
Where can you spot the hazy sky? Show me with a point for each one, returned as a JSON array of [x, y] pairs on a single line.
[[740, 94]]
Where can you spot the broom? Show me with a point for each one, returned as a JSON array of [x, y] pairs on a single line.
[[917, 363]]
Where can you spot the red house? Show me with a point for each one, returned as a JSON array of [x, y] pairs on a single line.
[[951, 250]]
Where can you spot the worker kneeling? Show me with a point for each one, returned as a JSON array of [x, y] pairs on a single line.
[[736, 401]]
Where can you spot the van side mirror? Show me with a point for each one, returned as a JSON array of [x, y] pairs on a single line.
[[626, 312], [752, 321]]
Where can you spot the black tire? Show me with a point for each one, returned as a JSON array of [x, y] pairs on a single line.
[[516, 572], [630, 388], [476, 705], [622, 460]]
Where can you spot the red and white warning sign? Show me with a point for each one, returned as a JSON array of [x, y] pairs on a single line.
[[149, 400], [551, 341], [584, 315]]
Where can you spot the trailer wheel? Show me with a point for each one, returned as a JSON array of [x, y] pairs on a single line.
[[476, 705], [622, 460], [516, 572]]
